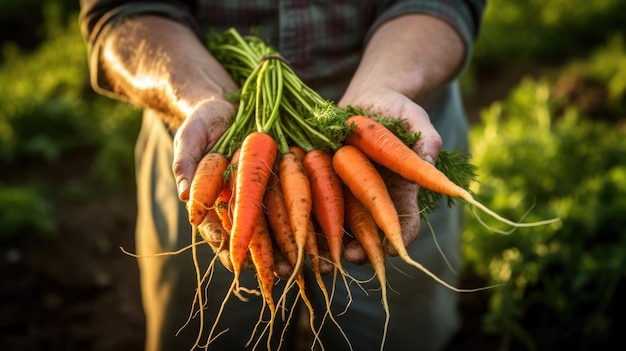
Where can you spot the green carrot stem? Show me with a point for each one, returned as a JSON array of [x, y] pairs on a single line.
[[310, 131], [279, 95], [295, 133], [258, 98], [281, 103], [281, 141]]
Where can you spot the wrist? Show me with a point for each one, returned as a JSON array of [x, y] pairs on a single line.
[[412, 55], [168, 69]]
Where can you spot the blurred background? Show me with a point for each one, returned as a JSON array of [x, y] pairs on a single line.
[[546, 97]]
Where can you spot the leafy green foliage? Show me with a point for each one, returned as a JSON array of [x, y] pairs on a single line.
[[19, 207], [554, 147], [596, 85], [49, 117], [544, 31], [45, 98], [541, 159]]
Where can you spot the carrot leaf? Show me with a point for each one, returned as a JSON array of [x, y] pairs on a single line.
[[273, 99], [456, 166]]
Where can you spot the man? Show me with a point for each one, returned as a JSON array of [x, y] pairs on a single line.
[[393, 58]]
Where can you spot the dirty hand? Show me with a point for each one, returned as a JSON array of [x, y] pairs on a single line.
[[391, 104]]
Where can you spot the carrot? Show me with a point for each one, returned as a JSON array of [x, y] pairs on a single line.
[[262, 257], [328, 205], [327, 199], [205, 186], [312, 249], [262, 254], [278, 219], [223, 203], [297, 192], [384, 148], [279, 222], [364, 181], [213, 232], [243, 256], [365, 231], [256, 159]]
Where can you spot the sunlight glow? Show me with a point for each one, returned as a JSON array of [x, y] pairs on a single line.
[[145, 75]]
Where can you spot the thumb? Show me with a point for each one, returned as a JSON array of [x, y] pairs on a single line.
[[187, 154], [195, 137]]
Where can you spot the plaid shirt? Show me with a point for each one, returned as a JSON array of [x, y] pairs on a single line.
[[323, 40]]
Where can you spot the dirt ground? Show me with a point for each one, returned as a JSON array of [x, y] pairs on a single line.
[[75, 291]]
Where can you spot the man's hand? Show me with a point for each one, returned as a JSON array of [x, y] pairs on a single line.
[[404, 193], [160, 64], [195, 137], [407, 58]]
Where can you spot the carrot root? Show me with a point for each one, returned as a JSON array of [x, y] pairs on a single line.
[[312, 250], [386, 149], [364, 181], [365, 230]]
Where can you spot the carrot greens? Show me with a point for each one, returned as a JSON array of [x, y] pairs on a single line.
[[273, 99]]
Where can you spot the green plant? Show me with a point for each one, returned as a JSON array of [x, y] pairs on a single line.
[[596, 85], [47, 109], [24, 210], [544, 31], [50, 121], [563, 281]]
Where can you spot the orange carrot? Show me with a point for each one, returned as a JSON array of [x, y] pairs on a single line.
[[206, 184], [262, 254], [222, 205], [213, 232], [297, 192], [328, 207], [365, 230], [278, 219], [312, 249], [383, 147], [364, 181], [258, 153], [327, 199]]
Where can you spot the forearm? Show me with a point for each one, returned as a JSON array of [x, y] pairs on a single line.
[[411, 54], [159, 63]]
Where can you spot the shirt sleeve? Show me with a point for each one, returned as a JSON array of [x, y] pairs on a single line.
[[97, 17], [464, 16]]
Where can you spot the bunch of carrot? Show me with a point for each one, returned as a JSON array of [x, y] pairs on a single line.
[[294, 174]]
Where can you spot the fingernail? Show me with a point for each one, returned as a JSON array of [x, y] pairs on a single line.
[[183, 189], [429, 159]]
